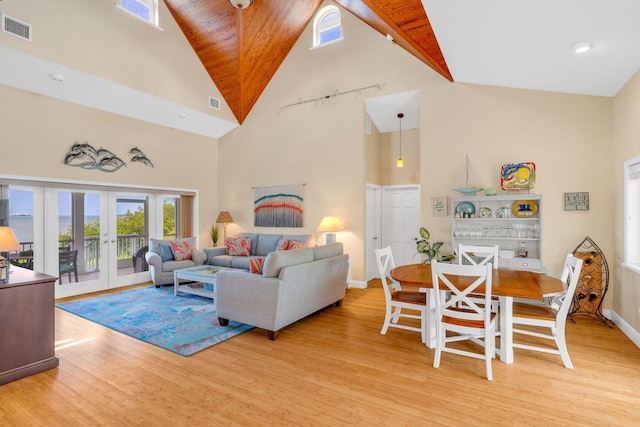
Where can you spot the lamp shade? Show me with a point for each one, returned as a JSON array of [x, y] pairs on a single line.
[[8, 241], [224, 217], [240, 4], [330, 224]]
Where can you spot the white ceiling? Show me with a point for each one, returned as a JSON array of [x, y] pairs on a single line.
[[528, 43], [31, 73]]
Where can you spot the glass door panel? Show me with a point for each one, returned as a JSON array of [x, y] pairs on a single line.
[[79, 252], [21, 221], [132, 225]]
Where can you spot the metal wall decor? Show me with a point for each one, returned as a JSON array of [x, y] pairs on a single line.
[[85, 156]]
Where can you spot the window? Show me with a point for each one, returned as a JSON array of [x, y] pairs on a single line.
[[632, 213], [327, 26], [146, 10]]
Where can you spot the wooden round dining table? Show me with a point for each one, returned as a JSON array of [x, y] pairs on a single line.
[[506, 285]]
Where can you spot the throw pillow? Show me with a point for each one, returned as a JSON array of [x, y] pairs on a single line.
[[286, 245], [165, 252], [238, 246], [256, 265], [181, 250]]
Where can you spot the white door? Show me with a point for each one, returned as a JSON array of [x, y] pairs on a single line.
[[373, 229], [401, 222]]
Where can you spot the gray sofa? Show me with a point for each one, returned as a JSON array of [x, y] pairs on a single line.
[[162, 264], [261, 246], [293, 285]]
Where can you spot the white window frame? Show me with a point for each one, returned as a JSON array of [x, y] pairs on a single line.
[[319, 27], [632, 214], [153, 11]]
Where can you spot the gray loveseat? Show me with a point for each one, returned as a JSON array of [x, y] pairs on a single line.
[[261, 246], [293, 285], [162, 263]]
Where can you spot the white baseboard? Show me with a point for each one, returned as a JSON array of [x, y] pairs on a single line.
[[624, 326], [358, 284]]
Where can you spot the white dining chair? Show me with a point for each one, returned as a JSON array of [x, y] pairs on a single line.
[[553, 317], [396, 299], [457, 312], [481, 255], [478, 255]]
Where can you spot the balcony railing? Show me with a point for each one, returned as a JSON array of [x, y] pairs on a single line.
[[89, 256]]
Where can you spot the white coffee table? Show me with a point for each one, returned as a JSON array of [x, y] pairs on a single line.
[[204, 274]]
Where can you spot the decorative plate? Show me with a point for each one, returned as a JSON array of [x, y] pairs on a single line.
[[518, 176], [465, 208], [485, 212], [524, 208]]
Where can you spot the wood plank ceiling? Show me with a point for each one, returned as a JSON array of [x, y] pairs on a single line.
[[241, 49]]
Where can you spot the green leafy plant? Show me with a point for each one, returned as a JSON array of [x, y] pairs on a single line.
[[215, 235], [432, 251]]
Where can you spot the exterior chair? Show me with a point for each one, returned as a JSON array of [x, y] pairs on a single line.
[[396, 299], [68, 263], [457, 312], [553, 317], [139, 263]]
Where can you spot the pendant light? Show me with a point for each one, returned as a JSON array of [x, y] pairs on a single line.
[[240, 4], [400, 162]]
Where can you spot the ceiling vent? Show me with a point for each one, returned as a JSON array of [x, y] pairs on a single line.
[[17, 28], [214, 103]]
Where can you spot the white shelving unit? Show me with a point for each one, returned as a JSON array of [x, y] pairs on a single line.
[[504, 221]]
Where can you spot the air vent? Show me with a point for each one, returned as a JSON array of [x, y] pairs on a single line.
[[17, 28], [214, 103]]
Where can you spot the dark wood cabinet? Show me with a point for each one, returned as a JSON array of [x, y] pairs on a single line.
[[27, 324]]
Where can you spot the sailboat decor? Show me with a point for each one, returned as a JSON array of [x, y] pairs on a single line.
[[469, 187]]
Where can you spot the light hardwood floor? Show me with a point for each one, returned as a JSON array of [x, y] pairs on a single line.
[[334, 368]]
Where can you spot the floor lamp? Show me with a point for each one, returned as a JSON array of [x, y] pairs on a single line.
[[330, 225], [224, 217]]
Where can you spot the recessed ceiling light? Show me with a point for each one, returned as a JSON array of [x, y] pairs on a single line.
[[182, 115], [582, 47]]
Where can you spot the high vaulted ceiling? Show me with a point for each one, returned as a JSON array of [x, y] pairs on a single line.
[[243, 48], [522, 44]]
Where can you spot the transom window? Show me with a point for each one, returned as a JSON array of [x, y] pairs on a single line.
[[327, 26], [146, 10]]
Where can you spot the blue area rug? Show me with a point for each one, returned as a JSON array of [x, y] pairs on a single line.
[[184, 324]]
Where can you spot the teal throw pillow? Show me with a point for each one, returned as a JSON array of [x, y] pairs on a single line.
[[165, 252]]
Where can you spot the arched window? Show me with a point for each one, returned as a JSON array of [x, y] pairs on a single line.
[[327, 26], [146, 10]]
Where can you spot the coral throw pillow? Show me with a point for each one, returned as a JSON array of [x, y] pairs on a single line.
[[287, 245], [238, 246], [181, 250], [256, 264]]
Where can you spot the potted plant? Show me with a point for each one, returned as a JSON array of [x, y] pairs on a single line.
[[432, 251], [215, 235]]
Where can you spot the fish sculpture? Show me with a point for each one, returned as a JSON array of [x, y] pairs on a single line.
[[138, 156], [85, 156]]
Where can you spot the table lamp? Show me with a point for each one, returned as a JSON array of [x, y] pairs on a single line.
[[224, 217], [8, 243], [330, 224]]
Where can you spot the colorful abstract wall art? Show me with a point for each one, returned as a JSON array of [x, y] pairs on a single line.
[[279, 206], [518, 176]]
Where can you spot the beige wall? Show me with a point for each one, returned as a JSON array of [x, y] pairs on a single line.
[[98, 38], [626, 132], [321, 144]]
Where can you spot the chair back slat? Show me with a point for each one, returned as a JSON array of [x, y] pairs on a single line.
[[460, 281], [478, 255], [384, 260]]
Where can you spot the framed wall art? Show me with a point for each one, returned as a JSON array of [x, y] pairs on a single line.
[[440, 206]]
